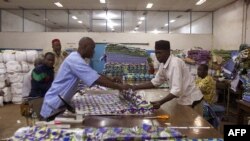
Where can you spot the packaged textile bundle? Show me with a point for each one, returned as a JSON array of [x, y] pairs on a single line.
[[20, 56], [25, 66], [16, 88], [200, 56], [9, 55], [31, 55], [15, 77], [2, 68], [13, 66], [142, 132], [7, 94]]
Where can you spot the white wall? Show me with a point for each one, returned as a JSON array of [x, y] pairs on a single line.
[[11, 22], [200, 26], [228, 26], [42, 40], [30, 26], [14, 23]]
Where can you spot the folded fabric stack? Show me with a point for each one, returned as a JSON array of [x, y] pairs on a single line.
[[200, 56], [112, 104], [246, 85], [120, 69], [144, 132]]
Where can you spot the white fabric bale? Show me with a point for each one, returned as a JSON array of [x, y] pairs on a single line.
[[1, 57], [2, 77], [16, 88], [21, 56], [17, 99], [1, 100], [13, 66], [25, 66], [15, 77], [2, 68], [7, 94], [2, 84], [31, 55], [31, 66], [9, 56]]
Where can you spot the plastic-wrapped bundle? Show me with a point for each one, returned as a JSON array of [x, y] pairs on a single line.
[[31, 55], [16, 88], [7, 94], [2, 68], [25, 66], [200, 56], [121, 58], [20, 56], [13, 66], [2, 77], [9, 56], [15, 77], [2, 84], [17, 99], [1, 57]]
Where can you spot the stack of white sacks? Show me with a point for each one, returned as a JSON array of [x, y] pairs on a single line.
[[13, 66]]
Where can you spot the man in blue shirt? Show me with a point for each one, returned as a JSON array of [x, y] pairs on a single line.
[[73, 69]]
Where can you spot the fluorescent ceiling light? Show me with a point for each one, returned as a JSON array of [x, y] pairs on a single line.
[[140, 22], [58, 4], [107, 16], [111, 24], [166, 24], [74, 17], [79, 21], [142, 18], [156, 31], [200, 2], [149, 5], [172, 21], [102, 1]]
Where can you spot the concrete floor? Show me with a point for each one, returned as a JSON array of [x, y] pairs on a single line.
[[10, 120]]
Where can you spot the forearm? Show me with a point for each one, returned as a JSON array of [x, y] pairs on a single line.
[[167, 98], [103, 81], [147, 85]]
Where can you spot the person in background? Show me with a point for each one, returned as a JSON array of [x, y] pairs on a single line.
[[42, 76], [212, 112], [73, 69], [206, 84], [27, 78], [59, 54], [175, 72]]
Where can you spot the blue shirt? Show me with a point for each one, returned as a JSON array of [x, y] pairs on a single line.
[[73, 69]]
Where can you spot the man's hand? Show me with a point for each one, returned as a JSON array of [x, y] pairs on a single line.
[[156, 104]]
